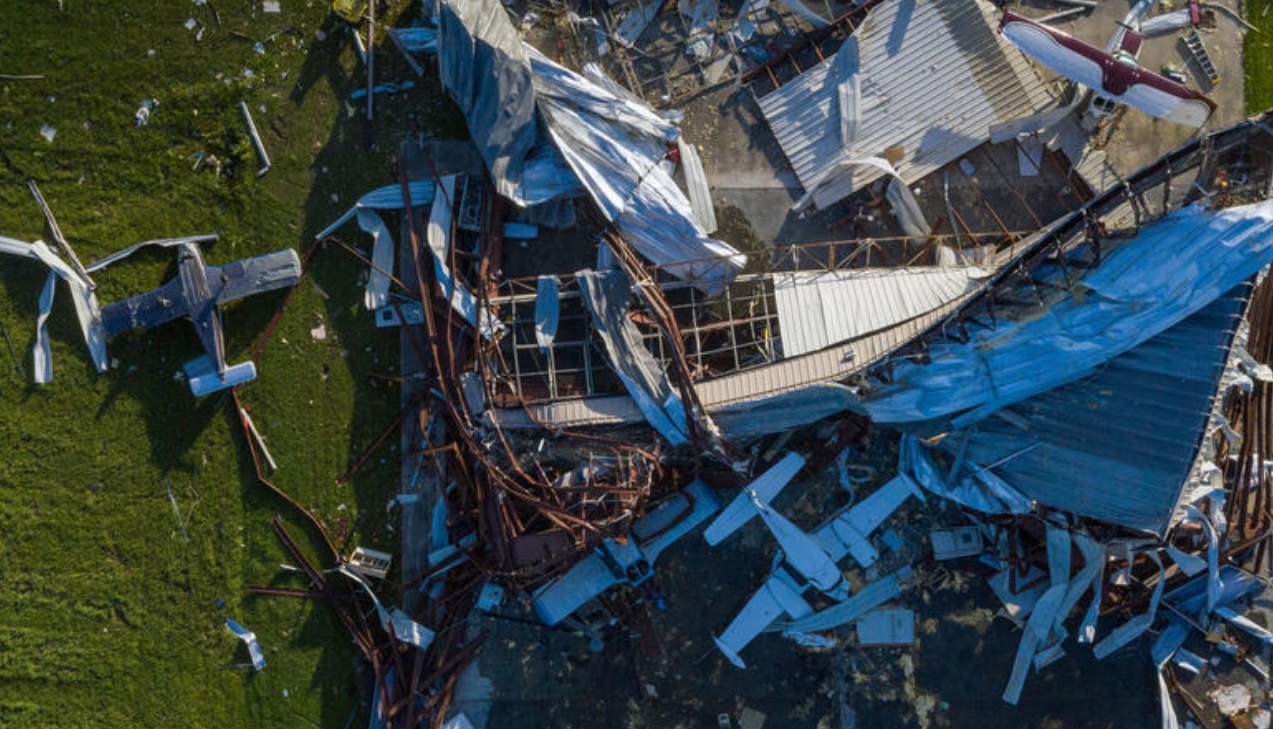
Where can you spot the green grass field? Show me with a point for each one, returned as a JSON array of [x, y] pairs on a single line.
[[110, 618], [1259, 56]]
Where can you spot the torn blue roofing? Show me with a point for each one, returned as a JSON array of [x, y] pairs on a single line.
[[1143, 286], [1117, 445]]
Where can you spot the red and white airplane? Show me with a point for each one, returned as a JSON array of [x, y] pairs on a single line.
[[1112, 75]]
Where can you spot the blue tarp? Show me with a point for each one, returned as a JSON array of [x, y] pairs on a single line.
[[1142, 287]]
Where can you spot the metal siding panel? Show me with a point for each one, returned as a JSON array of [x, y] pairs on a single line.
[[949, 50]]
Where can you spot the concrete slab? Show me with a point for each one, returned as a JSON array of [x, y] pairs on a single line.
[[1134, 139]]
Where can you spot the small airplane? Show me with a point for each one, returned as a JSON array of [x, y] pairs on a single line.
[[1113, 74], [195, 293], [809, 560]]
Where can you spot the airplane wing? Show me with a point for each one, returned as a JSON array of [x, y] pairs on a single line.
[[148, 310], [120, 255], [766, 486], [775, 598], [1090, 66], [277, 270], [850, 532]]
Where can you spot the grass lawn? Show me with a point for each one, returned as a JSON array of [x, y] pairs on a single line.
[[110, 618], [1259, 56]]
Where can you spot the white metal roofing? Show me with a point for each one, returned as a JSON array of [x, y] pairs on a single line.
[[934, 76], [818, 309]]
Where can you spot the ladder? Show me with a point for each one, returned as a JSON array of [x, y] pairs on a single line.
[[1200, 56]]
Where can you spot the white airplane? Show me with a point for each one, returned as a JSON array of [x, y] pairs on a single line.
[[809, 561], [1112, 73]]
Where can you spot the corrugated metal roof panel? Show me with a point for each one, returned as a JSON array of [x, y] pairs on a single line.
[[817, 309], [1119, 445], [934, 77]]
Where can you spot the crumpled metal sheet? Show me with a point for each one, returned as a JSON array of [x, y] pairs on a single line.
[[85, 301], [1144, 286], [607, 296], [615, 145]]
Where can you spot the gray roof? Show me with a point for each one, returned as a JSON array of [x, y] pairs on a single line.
[[933, 76]]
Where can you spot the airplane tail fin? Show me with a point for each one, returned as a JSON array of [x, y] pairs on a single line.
[[204, 379]]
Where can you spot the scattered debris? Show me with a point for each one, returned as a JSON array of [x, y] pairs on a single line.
[[257, 144], [254, 648], [370, 562]]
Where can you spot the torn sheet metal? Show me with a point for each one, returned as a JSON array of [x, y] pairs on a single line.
[[1037, 630], [1087, 629], [1213, 560], [82, 296], [485, 70], [633, 25], [1018, 605], [784, 411], [906, 208], [249, 638], [407, 630], [607, 296], [868, 598], [615, 145], [1144, 285], [907, 51], [438, 233], [1029, 155], [799, 8], [701, 14], [763, 489], [376, 294], [745, 24], [388, 197], [900, 197], [982, 491], [696, 183], [415, 40], [1089, 576], [42, 357], [1058, 543], [1135, 626], [547, 311]]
